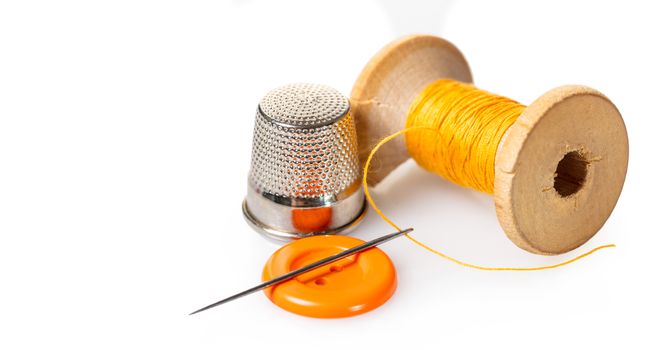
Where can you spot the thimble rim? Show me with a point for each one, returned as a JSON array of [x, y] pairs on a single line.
[[278, 236]]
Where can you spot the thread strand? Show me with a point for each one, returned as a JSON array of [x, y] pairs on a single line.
[[376, 209]]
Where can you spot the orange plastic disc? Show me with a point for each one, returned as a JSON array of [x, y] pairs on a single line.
[[347, 287]]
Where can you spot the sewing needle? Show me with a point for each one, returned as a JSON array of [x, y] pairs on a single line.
[[319, 263]]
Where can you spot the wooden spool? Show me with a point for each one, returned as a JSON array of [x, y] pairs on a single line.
[[559, 169]]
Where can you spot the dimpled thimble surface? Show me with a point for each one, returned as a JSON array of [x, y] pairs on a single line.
[[305, 175]]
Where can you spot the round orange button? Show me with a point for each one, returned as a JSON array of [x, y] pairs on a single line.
[[350, 286]]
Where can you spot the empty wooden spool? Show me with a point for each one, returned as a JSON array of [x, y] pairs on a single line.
[[559, 169]]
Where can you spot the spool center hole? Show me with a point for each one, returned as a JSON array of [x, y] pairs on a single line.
[[571, 174]]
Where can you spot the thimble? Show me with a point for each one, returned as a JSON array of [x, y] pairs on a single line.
[[305, 175]]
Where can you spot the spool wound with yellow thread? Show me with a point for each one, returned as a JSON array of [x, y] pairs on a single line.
[[556, 167], [464, 127]]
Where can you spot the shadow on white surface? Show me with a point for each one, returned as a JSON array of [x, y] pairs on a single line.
[[125, 149], [455, 220]]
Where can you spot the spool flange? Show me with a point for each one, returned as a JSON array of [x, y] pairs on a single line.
[[559, 169]]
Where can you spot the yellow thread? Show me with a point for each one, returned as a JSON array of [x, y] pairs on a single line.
[[466, 126], [474, 167]]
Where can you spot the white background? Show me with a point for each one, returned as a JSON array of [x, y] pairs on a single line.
[[125, 137]]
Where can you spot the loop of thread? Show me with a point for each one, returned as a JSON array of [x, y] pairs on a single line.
[[464, 128], [471, 165]]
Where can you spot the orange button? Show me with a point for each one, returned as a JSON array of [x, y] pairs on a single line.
[[347, 287]]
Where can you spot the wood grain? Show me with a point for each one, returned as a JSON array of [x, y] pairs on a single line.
[[573, 122]]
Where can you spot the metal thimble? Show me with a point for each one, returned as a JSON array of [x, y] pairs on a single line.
[[305, 176]]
